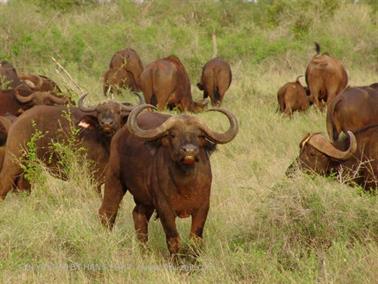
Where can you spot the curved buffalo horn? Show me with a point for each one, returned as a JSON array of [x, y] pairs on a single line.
[[40, 81], [127, 107], [28, 79], [29, 83], [140, 97], [222, 138], [323, 145], [149, 134], [57, 100], [24, 99], [80, 104], [297, 80]]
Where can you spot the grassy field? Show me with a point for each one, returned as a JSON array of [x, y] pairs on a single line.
[[262, 227]]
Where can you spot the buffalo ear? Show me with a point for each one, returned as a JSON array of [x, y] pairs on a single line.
[[88, 122], [200, 86], [124, 119], [209, 147], [153, 146]]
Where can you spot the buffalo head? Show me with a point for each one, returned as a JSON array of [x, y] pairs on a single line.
[[184, 136], [25, 95], [110, 115], [319, 155], [40, 83]]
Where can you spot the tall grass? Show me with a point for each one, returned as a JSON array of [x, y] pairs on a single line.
[[262, 227]]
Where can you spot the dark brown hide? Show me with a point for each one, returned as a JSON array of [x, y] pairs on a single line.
[[5, 123], [215, 80], [360, 165], [165, 83], [292, 97], [168, 171], [325, 77], [10, 104], [353, 109], [124, 72]]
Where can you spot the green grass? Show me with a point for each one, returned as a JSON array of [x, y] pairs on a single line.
[[262, 227]]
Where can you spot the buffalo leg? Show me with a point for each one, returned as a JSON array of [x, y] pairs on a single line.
[[8, 175], [288, 111], [141, 216], [23, 184], [198, 222], [167, 219], [314, 91], [113, 195]]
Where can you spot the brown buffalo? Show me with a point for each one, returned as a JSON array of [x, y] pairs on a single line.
[[355, 157], [124, 71], [96, 127], [215, 80], [325, 77], [8, 76], [40, 83], [293, 97], [165, 83], [16, 101], [163, 161], [5, 123], [352, 109]]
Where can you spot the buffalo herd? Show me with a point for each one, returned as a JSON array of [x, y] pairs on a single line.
[[163, 159], [351, 110]]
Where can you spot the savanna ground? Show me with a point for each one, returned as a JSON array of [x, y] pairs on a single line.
[[262, 227]]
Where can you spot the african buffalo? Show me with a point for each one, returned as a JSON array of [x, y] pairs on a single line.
[[40, 83], [215, 80], [5, 123], [124, 71], [97, 125], [352, 109], [16, 101], [325, 77], [165, 83], [8, 76], [163, 161], [355, 157], [293, 97]]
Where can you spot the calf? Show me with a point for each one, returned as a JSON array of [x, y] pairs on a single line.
[[293, 97]]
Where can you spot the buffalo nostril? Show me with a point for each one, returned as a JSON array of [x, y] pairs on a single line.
[[108, 122], [189, 149]]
